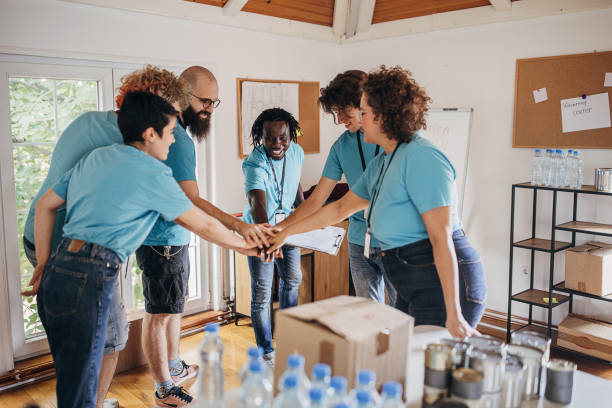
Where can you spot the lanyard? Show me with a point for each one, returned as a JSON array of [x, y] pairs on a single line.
[[363, 163], [379, 181], [280, 188]]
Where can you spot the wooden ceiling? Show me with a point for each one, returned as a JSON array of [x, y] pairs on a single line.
[[321, 12]]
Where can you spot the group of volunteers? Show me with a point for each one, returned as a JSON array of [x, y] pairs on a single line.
[[123, 182]]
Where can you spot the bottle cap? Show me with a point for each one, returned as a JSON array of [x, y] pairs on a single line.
[[391, 388], [290, 381], [212, 328], [320, 371], [338, 383], [538, 151], [363, 396], [295, 361], [341, 405], [316, 394], [255, 352], [366, 377], [256, 366]]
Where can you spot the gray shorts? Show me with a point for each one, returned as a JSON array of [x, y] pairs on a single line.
[[118, 327]]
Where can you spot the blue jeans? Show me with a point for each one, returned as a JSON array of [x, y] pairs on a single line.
[[262, 277], [118, 327], [413, 273], [73, 303], [369, 276]]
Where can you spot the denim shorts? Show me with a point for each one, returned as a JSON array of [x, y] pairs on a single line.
[[413, 273], [165, 280], [118, 327]]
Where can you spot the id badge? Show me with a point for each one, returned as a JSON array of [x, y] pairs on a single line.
[[279, 216], [366, 245]]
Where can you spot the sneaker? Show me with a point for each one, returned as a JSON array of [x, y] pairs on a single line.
[[176, 397], [110, 403], [188, 371], [269, 359]]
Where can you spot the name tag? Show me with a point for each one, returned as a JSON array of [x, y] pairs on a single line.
[[366, 245], [279, 216]]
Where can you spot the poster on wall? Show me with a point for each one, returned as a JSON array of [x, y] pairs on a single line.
[[585, 113]]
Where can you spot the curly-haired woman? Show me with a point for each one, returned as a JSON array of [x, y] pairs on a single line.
[[272, 185], [411, 197]]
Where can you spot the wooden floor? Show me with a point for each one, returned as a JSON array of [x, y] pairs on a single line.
[[134, 388]]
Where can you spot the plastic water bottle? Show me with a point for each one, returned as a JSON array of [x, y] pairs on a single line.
[[366, 381], [560, 181], [364, 399], [256, 391], [340, 405], [536, 168], [290, 396], [548, 168], [321, 378], [338, 391], [392, 395], [578, 161], [569, 165], [255, 354], [317, 398], [210, 377], [295, 366]]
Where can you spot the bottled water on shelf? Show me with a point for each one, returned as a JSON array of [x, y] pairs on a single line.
[[256, 390], [391, 395], [255, 354], [295, 366], [578, 164], [210, 377], [537, 174], [290, 396], [366, 381], [548, 168], [338, 391], [559, 172], [569, 163]]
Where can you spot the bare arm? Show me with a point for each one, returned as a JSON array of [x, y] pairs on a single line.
[[439, 228], [44, 223], [254, 234], [315, 201], [328, 215], [210, 229], [299, 197]]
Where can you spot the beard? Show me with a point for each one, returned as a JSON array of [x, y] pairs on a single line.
[[198, 127]]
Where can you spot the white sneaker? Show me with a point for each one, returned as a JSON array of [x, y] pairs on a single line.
[[110, 403]]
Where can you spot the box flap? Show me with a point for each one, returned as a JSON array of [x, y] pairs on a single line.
[[351, 317], [585, 248], [602, 249]]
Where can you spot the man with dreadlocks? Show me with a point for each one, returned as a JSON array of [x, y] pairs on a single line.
[[272, 185]]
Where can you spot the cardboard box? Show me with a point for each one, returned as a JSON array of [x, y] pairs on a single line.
[[348, 333], [586, 335], [588, 268]]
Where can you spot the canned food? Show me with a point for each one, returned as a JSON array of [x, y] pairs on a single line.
[[533, 361], [491, 365], [532, 339], [459, 352], [560, 381], [512, 387]]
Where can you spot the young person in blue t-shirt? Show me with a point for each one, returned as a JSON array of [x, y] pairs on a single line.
[[113, 197], [411, 196], [349, 155], [272, 185]]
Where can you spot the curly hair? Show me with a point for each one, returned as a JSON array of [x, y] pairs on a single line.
[[274, 115], [394, 95], [343, 91], [158, 81]]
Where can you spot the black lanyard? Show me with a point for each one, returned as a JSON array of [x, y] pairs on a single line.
[[280, 188], [363, 163], [378, 185]]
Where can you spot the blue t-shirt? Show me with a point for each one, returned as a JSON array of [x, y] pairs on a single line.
[[344, 158], [86, 133], [258, 176], [182, 160], [420, 178], [115, 195]]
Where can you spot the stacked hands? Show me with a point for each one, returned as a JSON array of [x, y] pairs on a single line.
[[263, 240]]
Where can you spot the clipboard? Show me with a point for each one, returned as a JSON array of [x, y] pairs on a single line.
[[328, 240]]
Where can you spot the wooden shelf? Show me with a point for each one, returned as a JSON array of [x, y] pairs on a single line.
[[561, 287], [586, 189], [536, 297], [587, 228], [539, 244]]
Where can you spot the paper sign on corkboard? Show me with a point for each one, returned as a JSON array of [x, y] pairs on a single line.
[[564, 77]]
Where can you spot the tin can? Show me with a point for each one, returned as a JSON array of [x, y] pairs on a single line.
[[533, 361], [467, 386], [560, 381], [438, 363], [603, 179], [491, 365], [532, 339], [487, 343], [459, 352], [512, 387]]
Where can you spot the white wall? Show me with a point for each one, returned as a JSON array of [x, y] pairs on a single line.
[[75, 30], [476, 67]]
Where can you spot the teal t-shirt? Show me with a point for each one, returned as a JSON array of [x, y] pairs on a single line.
[[420, 178], [182, 160], [86, 133], [258, 175], [115, 195], [344, 159]]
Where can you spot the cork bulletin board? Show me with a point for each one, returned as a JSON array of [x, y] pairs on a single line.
[[564, 77], [305, 95]]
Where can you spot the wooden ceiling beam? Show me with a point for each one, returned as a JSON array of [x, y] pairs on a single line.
[[341, 10], [366, 12], [233, 7], [501, 5]]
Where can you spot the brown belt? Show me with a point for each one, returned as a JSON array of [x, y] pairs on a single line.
[[75, 245]]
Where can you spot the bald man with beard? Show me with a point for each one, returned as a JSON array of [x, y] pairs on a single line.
[[164, 256]]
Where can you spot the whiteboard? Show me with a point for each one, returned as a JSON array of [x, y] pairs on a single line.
[[259, 96], [449, 130]]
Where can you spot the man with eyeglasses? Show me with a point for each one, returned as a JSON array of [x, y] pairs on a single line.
[[164, 256]]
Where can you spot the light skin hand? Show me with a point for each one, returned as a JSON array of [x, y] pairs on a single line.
[[35, 281]]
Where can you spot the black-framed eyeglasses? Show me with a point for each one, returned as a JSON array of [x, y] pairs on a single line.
[[206, 102]]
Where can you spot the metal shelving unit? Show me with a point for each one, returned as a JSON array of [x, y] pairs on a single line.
[[544, 298]]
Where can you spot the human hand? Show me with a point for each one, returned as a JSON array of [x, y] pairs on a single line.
[[35, 281], [458, 327], [277, 242], [256, 235]]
